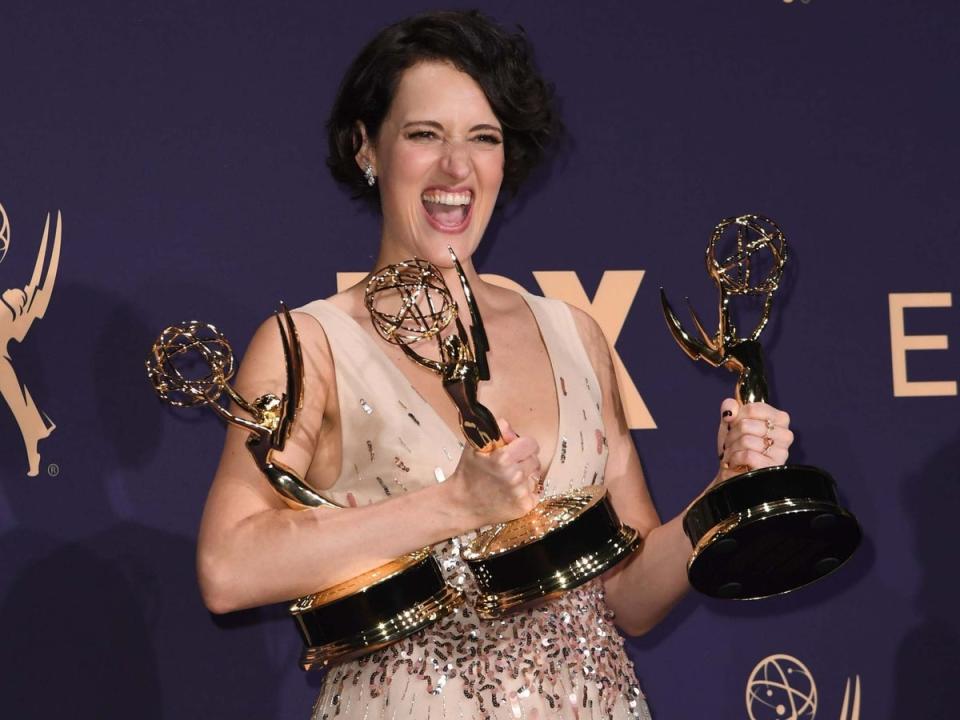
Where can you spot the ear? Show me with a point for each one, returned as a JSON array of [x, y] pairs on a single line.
[[367, 154]]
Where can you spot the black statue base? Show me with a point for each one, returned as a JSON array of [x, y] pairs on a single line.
[[373, 610], [567, 540], [767, 532]]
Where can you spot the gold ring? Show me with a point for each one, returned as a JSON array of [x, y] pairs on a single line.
[[767, 440], [537, 484], [767, 444]]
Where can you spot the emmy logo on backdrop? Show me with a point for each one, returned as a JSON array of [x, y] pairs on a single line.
[[20, 307], [782, 688]]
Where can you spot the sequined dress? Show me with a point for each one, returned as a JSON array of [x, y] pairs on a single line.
[[563, 659]]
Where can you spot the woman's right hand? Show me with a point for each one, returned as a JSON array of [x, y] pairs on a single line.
[[500, 485]]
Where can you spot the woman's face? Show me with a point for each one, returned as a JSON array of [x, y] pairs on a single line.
[[439, 162]]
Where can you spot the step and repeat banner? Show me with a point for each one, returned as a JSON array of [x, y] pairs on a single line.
[[165, 161]]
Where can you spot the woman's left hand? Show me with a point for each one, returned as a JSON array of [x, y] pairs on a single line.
[[751, 436]]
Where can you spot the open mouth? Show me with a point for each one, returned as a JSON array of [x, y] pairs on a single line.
[[447, 211]]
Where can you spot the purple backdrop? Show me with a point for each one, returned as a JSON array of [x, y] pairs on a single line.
[[183, 143]]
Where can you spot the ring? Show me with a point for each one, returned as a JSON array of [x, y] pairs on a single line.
[[766, 436], [537, 484], [767, 444]]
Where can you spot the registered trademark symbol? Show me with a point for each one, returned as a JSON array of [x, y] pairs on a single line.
[[53, 469]]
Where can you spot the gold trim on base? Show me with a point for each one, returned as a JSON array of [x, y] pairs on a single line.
[[386, 632], [492, 606], [358, 584], [549, 515], [757, 514]]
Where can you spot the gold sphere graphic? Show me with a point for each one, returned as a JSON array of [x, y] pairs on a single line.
[[781, 688]]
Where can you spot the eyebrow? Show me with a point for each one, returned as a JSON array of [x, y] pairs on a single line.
[[438, 126]]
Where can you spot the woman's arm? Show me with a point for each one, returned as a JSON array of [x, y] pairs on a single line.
[[643, 589], [254, 550]]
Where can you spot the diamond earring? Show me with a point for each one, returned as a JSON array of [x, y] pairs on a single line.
[[368, 174]]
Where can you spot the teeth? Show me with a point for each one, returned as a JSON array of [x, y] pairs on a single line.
[[445, 198]]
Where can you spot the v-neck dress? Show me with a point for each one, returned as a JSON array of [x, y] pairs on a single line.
[[563, 659]]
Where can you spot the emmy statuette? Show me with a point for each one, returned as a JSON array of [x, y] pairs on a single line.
[[568, 538], [773, 530], [354, 617]]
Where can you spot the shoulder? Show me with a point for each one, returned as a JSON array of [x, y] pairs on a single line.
[[588, 330], [264, 366], [595, 345], [590, 333], [268, 337], [320, 322], [503, 299], [586, 325]]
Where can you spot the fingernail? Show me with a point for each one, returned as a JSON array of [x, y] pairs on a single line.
[[727, 413]]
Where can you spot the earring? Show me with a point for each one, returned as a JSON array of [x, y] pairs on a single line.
[[368, 174]]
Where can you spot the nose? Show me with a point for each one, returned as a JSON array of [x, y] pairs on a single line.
[[456, 160]]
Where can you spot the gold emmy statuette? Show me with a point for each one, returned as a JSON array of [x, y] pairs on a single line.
[[773, 530], [354, 617], [567, 539]]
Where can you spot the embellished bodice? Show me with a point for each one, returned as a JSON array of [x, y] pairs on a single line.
[[563, 658]]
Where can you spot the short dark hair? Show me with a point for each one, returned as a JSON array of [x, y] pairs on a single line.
[[500, 62]]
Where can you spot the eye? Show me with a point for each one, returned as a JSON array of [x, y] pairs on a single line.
[[488, 139], [422, 135]]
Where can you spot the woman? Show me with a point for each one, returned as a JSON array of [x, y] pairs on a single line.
[[434, 117]]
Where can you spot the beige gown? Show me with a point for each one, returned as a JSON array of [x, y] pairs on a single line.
[[563, 659]]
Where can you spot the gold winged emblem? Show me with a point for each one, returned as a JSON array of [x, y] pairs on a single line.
[[19, 307]]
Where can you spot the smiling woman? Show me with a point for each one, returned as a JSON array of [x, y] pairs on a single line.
[[438, 114], [499, 62], [438, 159]]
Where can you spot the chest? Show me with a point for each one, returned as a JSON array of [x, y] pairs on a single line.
[[390, 426], [522, 387]]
